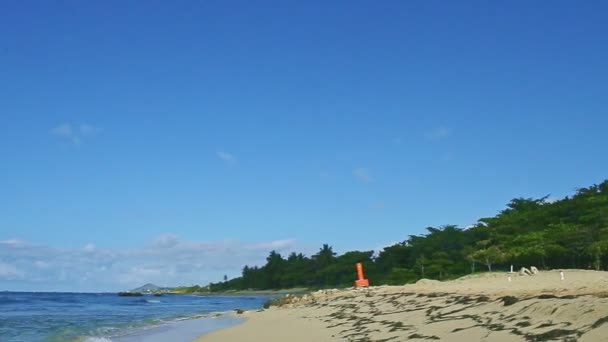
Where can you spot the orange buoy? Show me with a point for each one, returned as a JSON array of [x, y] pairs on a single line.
[[361, 281]]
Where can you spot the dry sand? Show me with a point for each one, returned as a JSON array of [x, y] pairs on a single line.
[[468, 309]]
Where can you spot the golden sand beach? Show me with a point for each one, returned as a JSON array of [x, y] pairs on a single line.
[[483, 307]]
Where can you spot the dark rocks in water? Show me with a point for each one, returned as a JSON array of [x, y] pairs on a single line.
[[239, 311], [130, 294], [158, 295]]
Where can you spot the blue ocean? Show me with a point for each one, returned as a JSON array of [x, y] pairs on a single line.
[[50, 317]]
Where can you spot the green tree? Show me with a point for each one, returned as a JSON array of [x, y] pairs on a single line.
[[440, 264], [422, 262], [273, 270], [489, 255], [597, 250], [570, 232], [468, 254], [323, 261]]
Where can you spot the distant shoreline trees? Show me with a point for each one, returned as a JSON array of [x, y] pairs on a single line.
[[568, 233]]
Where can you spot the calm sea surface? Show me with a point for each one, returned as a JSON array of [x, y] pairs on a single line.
[[32, 317]]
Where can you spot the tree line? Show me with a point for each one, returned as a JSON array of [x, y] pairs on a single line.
[[568, 233]]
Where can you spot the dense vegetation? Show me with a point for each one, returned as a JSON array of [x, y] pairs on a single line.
[[568, 233]]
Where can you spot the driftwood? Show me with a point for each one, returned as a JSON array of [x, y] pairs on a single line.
[[524, 272], [528, 272]]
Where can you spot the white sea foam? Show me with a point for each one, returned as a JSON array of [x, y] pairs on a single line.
[[179, 330], [97, 339]]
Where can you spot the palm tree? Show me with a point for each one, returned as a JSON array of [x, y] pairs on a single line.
[[325, 257]]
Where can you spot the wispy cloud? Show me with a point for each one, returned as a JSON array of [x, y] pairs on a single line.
[[87, 130], [552, 199], [165, 241], [10, 272], [12, 242], [438, 133], [75, 134], [65, 131], [380, 247], [275, 245], [363, 174], [89, 248], [165, 260], [225, 156]]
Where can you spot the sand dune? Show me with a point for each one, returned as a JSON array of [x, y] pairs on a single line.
[[484, 307]]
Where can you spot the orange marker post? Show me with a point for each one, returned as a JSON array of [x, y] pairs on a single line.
[[361, 281]]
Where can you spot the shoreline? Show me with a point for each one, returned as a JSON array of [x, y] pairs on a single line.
[[245, 293], [180, 329], [482, 307]]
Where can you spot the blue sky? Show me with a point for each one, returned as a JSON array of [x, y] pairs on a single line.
[[173, 142]]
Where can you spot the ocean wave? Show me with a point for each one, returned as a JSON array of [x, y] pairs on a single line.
[[61, 317], [9, 300], [97, 339], [136, 301]]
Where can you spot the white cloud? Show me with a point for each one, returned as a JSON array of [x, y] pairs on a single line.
[[74, 134], [66, 132], [63, 130], [225, 156], [552, 199], [277, 245], [165, 241], [382, 246], [41, 264], [13, 242], [10, 272], [378, 248], [438, 133], [165, 260], [89, 130], [140, 275], [89, 247], [363, 174]]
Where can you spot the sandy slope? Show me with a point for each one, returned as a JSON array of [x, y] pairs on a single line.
[[467, 309]]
